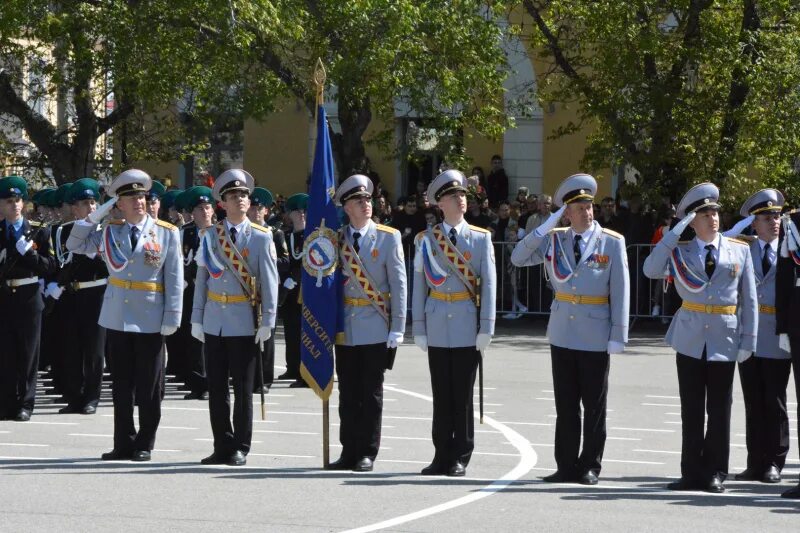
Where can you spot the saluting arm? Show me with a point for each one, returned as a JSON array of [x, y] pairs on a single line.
[[85, 238]]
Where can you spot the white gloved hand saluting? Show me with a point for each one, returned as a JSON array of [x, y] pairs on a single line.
[[482, 341], [422, 342], [166, 331], [739, 227], [615, 347], [680, 226], [101, 212], [550, 223], [290, 283], [197, 332], [262, 335], [24, 245], [395, 339], [783, 342]]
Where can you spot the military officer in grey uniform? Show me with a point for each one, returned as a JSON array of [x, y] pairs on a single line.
[[453, 307], [764, 376], [371, 259], [142, 304], [587, 266], [235, 303], [715, 326]]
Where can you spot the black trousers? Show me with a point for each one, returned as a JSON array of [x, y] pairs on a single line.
[[268, 362], [231, 358], [580, 378], [83, 357], [705, 388], [453, 372], [360, 370], [138, 370], [764, 384], [20, 331], [291, 311], [794, 342]]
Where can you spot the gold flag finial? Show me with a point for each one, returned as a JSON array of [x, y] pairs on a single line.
[[319, 80]]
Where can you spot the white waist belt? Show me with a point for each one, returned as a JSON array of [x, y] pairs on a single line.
[[21, 282], [78, 285]]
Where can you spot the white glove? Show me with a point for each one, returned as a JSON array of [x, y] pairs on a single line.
[[520, 233], [290, 283], [550, 223], [262, 335], [395, 339], [615, 347], [197, 332], [53, 290], [743, 355], [739, 227], [482, 341], [24, 245], [680, 226], [422, 342], [166, 331], [783, 342], [101, 212]]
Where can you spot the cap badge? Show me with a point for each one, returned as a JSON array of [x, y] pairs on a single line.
[[135, 186], [769, 203], [581, 191], [236, 183], [706, 200]]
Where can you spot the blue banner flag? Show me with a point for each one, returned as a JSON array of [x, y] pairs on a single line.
[[321, 285]]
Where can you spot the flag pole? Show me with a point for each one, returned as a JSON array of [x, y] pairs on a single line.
[[319, 81]]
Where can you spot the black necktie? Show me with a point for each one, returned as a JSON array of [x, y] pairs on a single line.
[[453, 236], [356, 246], [576, 248], [134, 237], [233, 235], [711, 263], [766, 264]]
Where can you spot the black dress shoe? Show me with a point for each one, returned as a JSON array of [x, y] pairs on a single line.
[[215, 459], [258, 389], [749, 474], [772, 475], [69, 409], [589, 478], [793, 493], [457, 470], [342, 463], [116, 455], [287, 375], [23, 415], [237, 458], [89, 410], [715, 485], [196, 396], [434, 469], [141, 456], [364, 465], [684, 484], [298, 384], [560, 477]]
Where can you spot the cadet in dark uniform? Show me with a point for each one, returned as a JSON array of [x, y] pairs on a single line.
[[79, 286], [24, 258], [153, 199], [261, 201], [787, 304], [292, 308]]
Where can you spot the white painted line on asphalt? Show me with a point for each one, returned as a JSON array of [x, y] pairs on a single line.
[[660, 405], [212, 440], [404, 438], [675, 422], [662, 397], [644, 429], [285, 432], [281, 455], [166, 451], [53, 423], [672, 414], [551, 392], [527, 461], [486, 431], [24, 445], [496, 454], [659, 451], [623, 438], [508, 423], [403, 461], [279, 395], [407, 418], [90, 435], [5, 432], [177, 427], [545, 399], [631, 462], [13, 458]]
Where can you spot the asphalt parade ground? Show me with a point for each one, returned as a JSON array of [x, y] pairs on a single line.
[[51, 478]]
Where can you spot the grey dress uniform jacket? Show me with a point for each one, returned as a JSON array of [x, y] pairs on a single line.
[[454, 324], [732, 284], [132, 310], [255, 244], [602, 272], [381, 253], [767, 341]]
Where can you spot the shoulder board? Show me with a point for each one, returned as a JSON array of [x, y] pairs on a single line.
[[737, 241], [556, 230], [116, 222], [747, 238], [478, 229], [419, 235], [35, 224], [261, 228], [387, 229], [613, 233], [164, 224], [684, 242]]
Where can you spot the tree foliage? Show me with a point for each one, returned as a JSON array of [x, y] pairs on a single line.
[[683, 90]]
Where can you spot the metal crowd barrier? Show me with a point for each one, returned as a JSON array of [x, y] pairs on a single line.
[[527, 291]]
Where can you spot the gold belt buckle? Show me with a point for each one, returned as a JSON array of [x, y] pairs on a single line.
[[575, 299], [126, 284], [709, 308], [224, 298]]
